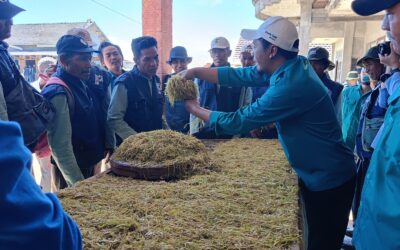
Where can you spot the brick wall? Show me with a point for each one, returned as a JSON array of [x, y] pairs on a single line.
[[157, 22]]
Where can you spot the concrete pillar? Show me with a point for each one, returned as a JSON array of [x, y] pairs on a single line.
[[305, 25], [157, 22], [349, 28]]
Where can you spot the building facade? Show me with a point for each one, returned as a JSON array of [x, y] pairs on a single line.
[[330, 23], [31, 42]]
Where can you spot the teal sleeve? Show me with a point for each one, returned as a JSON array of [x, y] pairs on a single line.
[[249, 77], [3, 105], [117, 110], [274, 106], [59, 136]]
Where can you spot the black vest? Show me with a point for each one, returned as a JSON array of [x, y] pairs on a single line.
[[334, 88], [25, 105], [145, 109], [88, 127]]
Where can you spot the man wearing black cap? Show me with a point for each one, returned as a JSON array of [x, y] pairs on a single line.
[[76, 136], [319, 59], [19, 101], [177, 116], [378, 219], [352, 97]]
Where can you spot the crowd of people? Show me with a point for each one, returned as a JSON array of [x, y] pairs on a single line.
[[341, 140]]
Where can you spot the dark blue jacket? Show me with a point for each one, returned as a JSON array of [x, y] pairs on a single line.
[[334, 88], [177, 116], [217, 98], [98, 84], [145, 109], [87, 123], [114, 77], [29, 218]]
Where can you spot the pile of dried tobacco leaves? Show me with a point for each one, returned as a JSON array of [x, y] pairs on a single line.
[[163, 148], [251, 202]]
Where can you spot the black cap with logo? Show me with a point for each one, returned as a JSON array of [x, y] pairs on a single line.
[[73, 44], [320, 54]]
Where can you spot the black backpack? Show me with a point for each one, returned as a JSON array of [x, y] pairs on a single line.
[[29, 108]]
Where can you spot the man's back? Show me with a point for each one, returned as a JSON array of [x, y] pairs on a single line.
[[20, 102]]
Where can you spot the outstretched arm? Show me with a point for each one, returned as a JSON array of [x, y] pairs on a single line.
[[249, 77]]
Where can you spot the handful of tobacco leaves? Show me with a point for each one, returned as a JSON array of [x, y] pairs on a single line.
[[179, 89]]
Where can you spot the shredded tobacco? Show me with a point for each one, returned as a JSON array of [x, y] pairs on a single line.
[[165, 148], [179, 89], [251, 202]]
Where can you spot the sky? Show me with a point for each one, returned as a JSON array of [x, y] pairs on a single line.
[[195, 22]]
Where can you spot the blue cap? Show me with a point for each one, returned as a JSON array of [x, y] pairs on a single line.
[[8, 10], [178, 52], [370, 7], [73, 44]]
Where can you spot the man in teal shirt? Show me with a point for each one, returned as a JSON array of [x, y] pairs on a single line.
[[300, 105], [378, 221], [352, 98]]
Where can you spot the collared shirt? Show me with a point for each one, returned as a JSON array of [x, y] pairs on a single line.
[[378, 219], [117, 110], [302, 109]]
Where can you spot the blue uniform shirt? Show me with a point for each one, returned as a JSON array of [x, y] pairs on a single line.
[[375, 111], [378, 220], [299, 104], [29, 218]]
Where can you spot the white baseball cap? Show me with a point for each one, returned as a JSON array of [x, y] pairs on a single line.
[[220, 43], [277, 30]]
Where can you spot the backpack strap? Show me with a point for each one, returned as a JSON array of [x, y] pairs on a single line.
[[70, 97]]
